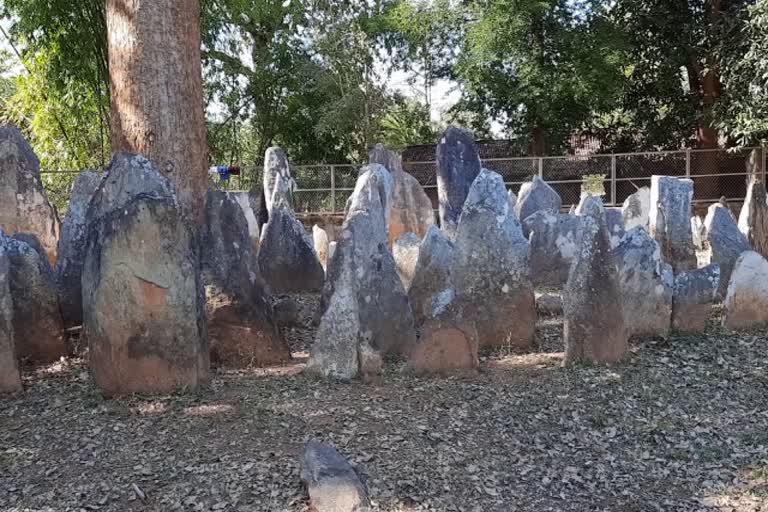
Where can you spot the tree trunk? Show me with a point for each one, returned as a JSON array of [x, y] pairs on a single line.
[[538, 142], [155, 75]]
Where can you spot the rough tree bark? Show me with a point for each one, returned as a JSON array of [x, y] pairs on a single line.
[[157, 91]]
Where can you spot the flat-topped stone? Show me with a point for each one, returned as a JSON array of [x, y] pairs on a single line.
[[670, 220]]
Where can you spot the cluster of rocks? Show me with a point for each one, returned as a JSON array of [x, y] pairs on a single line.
[[159, 298]]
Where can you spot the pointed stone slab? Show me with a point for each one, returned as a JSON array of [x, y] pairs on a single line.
[[670, 220], [24, 205], [241, 323], [458, 164], [275, 167], [71, 250], [593, 326], [694, 294], [746, 303], [554, 244], [753, 218], [10, 378], [724, 241], [491, 271], [406, 254], [431, 285], [535, 196], [647, 284], [636, 209]]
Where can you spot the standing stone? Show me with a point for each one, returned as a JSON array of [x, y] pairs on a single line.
[[320, 243], [10, 378], [143, 300], [246, 202], [287, 259], [241, 323], [331, 252], [753, 218], [746, 303], [71, 251], [615, 224], [364, 305], [406, 254], [24, 205], [445, 345], [275, 167], [554, 244], [512, 202], [636, 209], [593, 326], [694, 294], [431, 284], [458, 164], [535, 196], [491, 271], [646, 282], [670, 220], [725, 242], [699, 232], [37, 327], [332, 483]]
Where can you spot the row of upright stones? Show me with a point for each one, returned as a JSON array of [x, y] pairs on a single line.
[[157, 298]]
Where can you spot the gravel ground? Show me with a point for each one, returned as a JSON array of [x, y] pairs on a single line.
[[682, 425]]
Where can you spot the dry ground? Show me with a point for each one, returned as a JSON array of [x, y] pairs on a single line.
[[682, 425]]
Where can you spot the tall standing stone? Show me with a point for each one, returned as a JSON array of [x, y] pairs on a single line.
[[670, 220], [364, 306], [246, 202], [646, 282], [24, 205], [10, 378], [593, 325], [276, 167], [241, 323], [746, 303], [753, 218], [287, 259], [615, 224], [431, 286], [491, 271], [37, 327], [554, 239], [536, 195], [636, 209], [71, 251], [411, 209], [458, 164], [406, 254], [725, 242], [694, 294], [143, 299]]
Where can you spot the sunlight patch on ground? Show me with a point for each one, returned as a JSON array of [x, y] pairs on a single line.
[[209, 410], [537, 361]]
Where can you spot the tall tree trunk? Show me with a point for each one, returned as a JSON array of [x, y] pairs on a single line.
[[538, 141], [155, 75]]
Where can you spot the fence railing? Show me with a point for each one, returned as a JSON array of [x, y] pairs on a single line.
[[325, 188]]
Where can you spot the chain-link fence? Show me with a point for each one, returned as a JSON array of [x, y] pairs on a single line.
[[325, 188]]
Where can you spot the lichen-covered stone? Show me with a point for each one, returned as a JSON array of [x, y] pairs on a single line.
[[24, 205], [332, 483], [71, 250], [746, 302], [432, 275], [287, 260], [458, 164], [694, 294], [241, 323], [37, 325], [554, 245], [670, 220], [725, 243], [753, 218], [406, 254], [247, 202], [636, 209], [10, 378], [646, 282], [593, 326], [491, 271], [535, 196], [615, 224]]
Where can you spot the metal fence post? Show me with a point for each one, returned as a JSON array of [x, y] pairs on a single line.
[[333, 189], [541, 168], [688, 162], [613, 180]]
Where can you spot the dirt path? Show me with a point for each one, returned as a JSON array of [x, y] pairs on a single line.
[[683, 425]]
